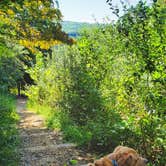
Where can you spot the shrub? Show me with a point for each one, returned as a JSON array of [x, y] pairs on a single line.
[[110, 87], [8, 131]]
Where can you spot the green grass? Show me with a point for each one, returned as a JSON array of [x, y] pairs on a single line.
[[8, 131]]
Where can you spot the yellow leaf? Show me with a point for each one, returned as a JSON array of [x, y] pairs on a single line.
[[10, 12]]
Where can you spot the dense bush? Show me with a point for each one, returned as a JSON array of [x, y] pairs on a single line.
[[8, 132], [109, 89], [11, 67]]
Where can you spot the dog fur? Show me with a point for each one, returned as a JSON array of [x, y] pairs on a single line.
[[124, 156]]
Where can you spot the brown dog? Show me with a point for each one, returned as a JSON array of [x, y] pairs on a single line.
[[121, 156]]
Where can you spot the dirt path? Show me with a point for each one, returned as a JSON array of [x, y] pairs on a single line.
[[43, 147]]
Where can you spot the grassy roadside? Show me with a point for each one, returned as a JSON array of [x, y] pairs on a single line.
[[8, 131]]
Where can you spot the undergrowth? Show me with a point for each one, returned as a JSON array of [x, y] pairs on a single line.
[[109, 88], [8, 131]]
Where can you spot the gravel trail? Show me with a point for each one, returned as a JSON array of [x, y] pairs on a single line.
[[43, 147]]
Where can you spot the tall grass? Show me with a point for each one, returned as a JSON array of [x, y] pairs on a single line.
[[8, 131]]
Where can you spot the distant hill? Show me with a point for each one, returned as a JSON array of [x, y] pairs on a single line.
[[73, 28]]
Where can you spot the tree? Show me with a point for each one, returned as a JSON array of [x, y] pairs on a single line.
[[33, 24], [11, 68], [143, 31]]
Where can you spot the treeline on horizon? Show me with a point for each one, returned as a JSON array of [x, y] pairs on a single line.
[[106, 88]]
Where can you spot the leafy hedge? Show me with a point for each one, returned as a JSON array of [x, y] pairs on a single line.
[[8, 131], [109, 89]]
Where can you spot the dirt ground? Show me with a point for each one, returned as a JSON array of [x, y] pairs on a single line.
[[43, 147]]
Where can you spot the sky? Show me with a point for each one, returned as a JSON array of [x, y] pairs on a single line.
[[88, 10]]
